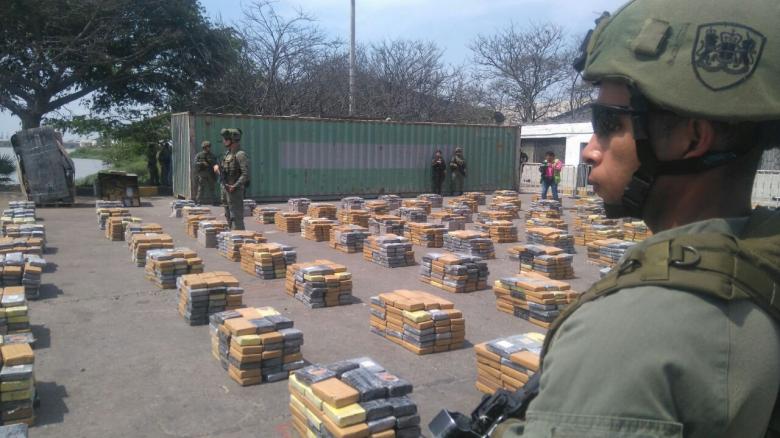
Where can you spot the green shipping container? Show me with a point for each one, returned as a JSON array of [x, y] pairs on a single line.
[[332, 158]]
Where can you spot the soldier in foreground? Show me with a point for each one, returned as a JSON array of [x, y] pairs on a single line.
[[682, 339], [234, 175], [204, 177]]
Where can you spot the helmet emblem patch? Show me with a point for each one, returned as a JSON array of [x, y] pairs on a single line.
[[726, 54]]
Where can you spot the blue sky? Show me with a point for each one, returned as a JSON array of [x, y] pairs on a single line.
[[451, 24]]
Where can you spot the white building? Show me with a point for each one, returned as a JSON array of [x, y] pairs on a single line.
[[565, 140]]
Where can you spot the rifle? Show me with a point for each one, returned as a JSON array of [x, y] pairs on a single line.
[[491, 412]]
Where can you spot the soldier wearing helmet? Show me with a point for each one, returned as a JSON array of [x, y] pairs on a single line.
[[204, 174], [682, 338], [457, 172], [234, 173]]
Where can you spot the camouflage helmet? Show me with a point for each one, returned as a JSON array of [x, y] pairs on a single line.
[[205, 143], [697, 58], [233, 134]]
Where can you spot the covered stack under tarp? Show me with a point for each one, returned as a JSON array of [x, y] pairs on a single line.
[[46, 172]]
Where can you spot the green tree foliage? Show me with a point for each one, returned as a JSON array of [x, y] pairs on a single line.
[[117, 53], [7, 167]]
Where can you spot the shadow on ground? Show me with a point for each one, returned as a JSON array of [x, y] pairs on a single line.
[[52, 407]]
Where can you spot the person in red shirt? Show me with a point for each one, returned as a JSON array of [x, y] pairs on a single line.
[[551, 174]]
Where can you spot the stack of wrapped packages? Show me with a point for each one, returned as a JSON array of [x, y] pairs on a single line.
[[256, 345], [493, 215], [547, 222], [425, 234], [477, 197], [583, 234], [208, 231], [413, 214], [393, 202], [265, 215], [417, 203], [610, 230], [461, 210], [377, 208], [25, 230], [25, 245], [267, 260], [389, 250], [608, 252], [178, 204], [115, 229], [165, 266], [550, 237], [194, 210], [507, 193], [204, 294], [104, 213], [354, 217], [474, 243], [500, 231], [508, 363], [462, 201], [17, 385], [436, 200], [386, 224], [545, 208], [193, 222], [249, 207], [229, 243], [142, 243], [546, 260], [348, 238], [456, 273], [352, 203], [107, 204], [133, 228], [636, 231], [316, 229], [288, 221], [508, 207], [19, 212], [22, 270], [298, 205], [452, 222], [418, 321], [352, 398], [533, 297], [321, 283], [16, 317], [322, 211]]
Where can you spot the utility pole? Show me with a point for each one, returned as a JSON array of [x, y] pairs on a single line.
[[352, 61]]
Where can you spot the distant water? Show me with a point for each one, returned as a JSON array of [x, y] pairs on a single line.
[[84, 166]]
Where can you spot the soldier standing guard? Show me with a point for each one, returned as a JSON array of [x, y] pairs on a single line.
[[234, 175], [205, 177], [458, 169]]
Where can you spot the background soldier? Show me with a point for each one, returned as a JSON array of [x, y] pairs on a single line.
[[205, 177], [234, 174], [164, 157], [683, 338], [151, 164], [438, 171], [458, 172]]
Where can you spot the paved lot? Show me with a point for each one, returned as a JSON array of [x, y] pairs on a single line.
[[114, 358]]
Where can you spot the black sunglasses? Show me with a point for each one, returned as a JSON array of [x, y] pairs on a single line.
[[605, 118]]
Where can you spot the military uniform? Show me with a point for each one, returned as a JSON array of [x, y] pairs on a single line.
[[235, 168], [458, 173], [204, 177], [151, 165], [660, 362], [164, 157], [438, 173]]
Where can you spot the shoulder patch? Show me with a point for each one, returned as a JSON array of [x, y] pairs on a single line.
[[726, 54]]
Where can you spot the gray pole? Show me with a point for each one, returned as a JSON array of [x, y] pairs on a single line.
[[352, 61]]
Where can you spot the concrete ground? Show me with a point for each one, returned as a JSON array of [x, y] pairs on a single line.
[[115, 359]]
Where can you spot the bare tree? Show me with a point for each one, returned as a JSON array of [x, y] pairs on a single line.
[[528, 67]]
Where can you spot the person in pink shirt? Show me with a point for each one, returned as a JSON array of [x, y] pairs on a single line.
[[551, 174]]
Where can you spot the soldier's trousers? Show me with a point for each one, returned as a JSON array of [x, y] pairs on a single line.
[[204, 189], [234, 208], [437, 181], [457, 184]]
